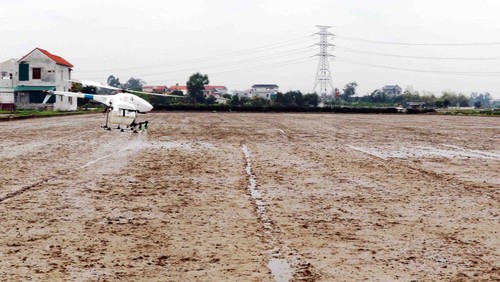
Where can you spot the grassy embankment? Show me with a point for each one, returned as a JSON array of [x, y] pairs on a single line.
[[470, 112]]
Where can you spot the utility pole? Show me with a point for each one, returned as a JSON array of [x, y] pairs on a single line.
[[323, 75]]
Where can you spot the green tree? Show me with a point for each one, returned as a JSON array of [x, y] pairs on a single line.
[[378, 96], [446, 103], [495, 104], [462, 100], [114, 81], [311, 99], [349, 91], [439, 103], [235, 100], [177, 93], [279, 99], [245, 101], [484, 99], [78, 87], [89, 89], [259, 102], [294, 98], [135, 84], [196, 86], [211, 100]]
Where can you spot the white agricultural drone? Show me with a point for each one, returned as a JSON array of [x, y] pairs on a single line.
[[123, 105]]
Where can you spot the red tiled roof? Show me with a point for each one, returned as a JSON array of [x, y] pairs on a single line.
[[55, 58], [155, 87], [177, 87]]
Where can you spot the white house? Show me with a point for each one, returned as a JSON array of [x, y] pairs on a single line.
[[8, 80], [216, 91], [41, 71], [242, 93], [392, 90], [266, 91]]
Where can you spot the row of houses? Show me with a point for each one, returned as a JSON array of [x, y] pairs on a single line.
[[217, 91], [24, 81], [266, 91]]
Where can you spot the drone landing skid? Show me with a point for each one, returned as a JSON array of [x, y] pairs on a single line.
[[135, 127]]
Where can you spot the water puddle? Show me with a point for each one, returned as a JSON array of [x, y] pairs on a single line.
[[280, 267], [487, 154]]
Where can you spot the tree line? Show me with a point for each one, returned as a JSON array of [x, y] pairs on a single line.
[[346, 97], [447, 99]]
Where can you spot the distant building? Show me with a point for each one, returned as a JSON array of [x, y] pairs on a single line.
[[266, 91], [392, 90], [178, 87], [8, 80], [242, 93], [41, 71], [160, 89], [416, 105], [216, 91]]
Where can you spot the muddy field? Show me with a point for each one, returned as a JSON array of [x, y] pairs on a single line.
[[251, 197]]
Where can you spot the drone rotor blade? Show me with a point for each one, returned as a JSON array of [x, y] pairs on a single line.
[[154, 94], [96, 84]]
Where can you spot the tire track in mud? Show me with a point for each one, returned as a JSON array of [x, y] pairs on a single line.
[[279, 266], [285, 264]]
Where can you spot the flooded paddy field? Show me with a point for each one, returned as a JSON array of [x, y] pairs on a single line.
[[251, 197]]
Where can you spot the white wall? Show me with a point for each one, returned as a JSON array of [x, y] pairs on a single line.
[[6, 68], [64, 103], [6, 96]]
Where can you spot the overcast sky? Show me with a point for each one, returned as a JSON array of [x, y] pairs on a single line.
[[238, 43]]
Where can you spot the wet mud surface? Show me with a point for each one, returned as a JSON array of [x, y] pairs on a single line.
[[251, 197]]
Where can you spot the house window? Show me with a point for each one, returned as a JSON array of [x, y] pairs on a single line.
[[37, 73], [70, 100]]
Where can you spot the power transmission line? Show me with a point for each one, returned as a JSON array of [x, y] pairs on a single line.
[[420, 70], [245, 69], [417, 57], [240, 62], [210, 58], [417, 44]]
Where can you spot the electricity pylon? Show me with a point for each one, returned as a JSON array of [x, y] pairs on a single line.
[[323, 75]]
